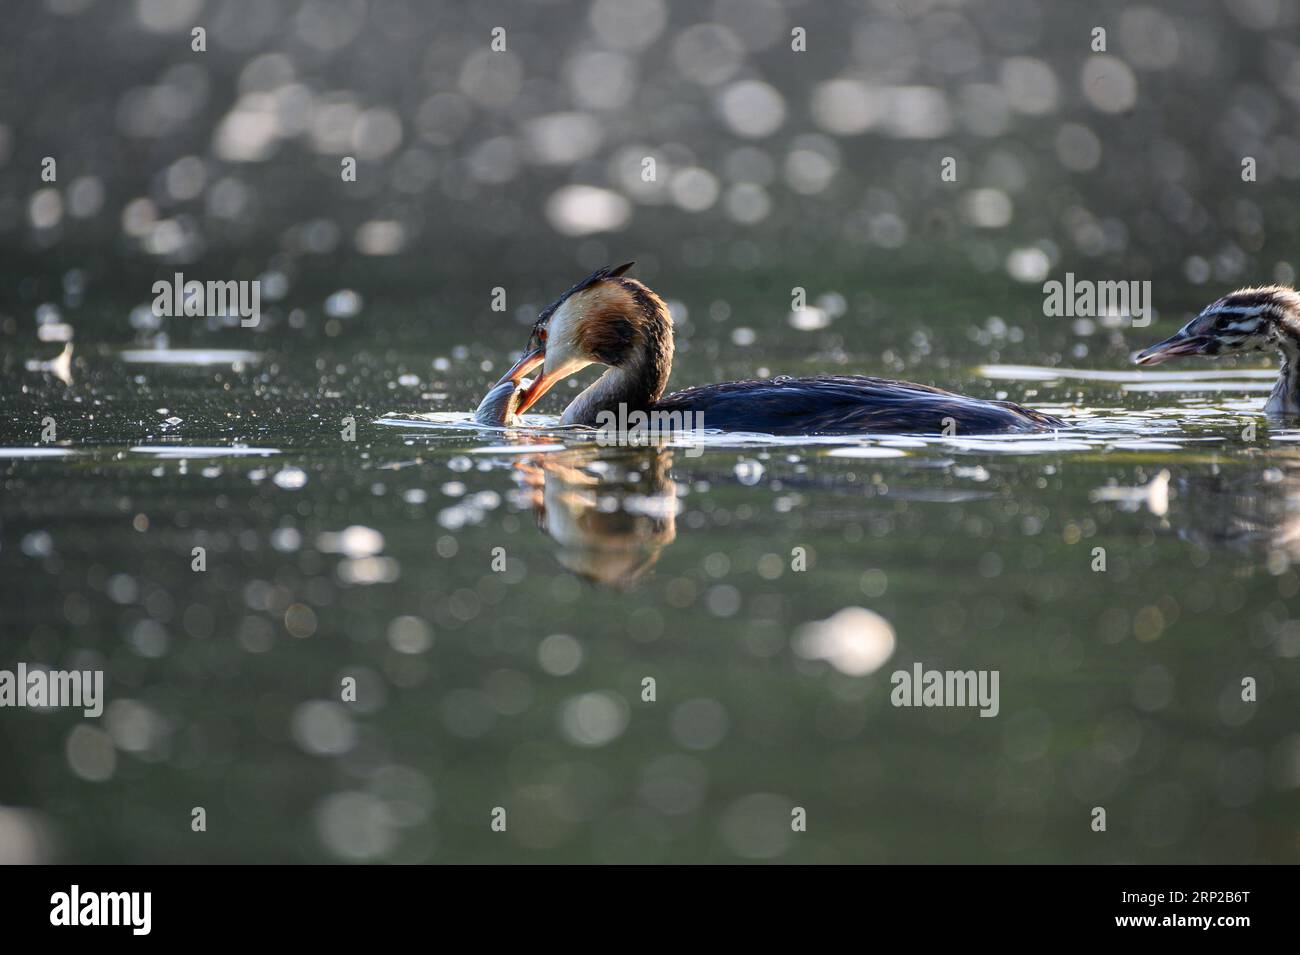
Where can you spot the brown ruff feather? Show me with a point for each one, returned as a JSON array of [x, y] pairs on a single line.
[[608, 328], [624, 324]]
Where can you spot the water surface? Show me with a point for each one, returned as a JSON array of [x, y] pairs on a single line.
[[500, 597]]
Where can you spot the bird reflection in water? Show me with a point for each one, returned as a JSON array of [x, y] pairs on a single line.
[[1250, 508], [611, 512]]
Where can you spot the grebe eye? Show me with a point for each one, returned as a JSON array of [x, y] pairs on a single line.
[[541, 335]]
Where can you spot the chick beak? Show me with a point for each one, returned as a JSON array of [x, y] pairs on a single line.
[[1175, 346]]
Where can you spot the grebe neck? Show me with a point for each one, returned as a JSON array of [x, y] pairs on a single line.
[[617, 386], [1285, 397], [640, 377]]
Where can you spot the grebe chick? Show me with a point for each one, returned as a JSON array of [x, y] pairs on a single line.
[[618, 322], [1250, 319]]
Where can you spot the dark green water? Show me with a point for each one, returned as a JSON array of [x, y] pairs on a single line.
[[501, 600], [379, 559]]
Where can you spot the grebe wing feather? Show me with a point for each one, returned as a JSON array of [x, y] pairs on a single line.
[[845, 404]]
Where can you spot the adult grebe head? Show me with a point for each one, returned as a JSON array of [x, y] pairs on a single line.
[[605, 319], [1250, 319]]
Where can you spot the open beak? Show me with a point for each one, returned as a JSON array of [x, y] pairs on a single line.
[[540, 386], [523, 366], [1175, 346]]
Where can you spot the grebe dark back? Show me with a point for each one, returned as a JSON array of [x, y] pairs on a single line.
[[618, 322]]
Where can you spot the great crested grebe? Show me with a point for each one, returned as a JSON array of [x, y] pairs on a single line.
[[618, 322], [1250, 319]]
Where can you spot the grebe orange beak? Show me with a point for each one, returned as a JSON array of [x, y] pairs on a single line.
[[540, 386], [524, 365]]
